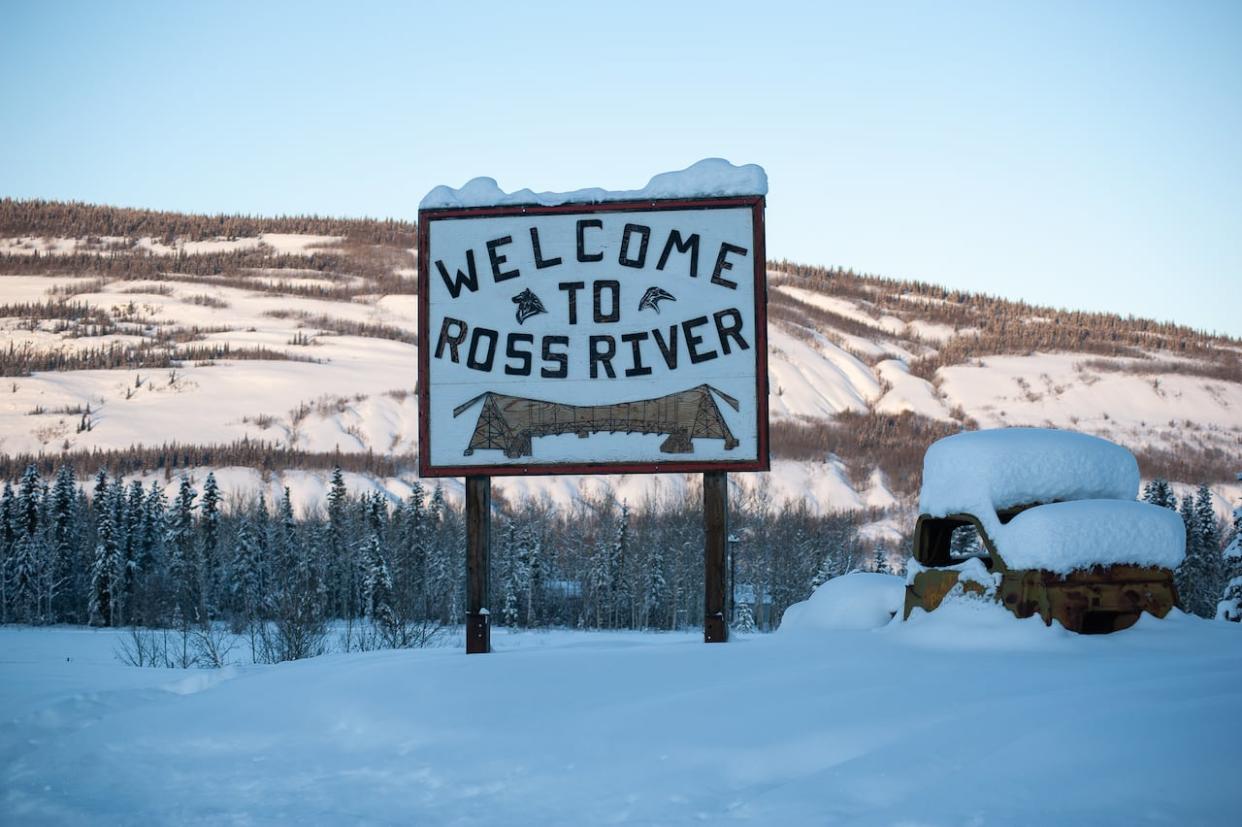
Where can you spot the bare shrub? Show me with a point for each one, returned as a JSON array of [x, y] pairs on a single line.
[[212, 645], [153, 289], [78, 287], [1186, 461], [204, 300], [864, 441], [345, 327], [298, 631], [189, 646], [1228, 368]]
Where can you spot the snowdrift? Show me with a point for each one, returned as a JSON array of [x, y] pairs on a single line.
[[860, 600]]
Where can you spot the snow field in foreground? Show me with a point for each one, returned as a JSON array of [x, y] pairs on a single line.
[[961, 716]]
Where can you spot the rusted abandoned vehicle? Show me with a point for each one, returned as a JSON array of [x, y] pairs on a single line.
[[1043, 522]]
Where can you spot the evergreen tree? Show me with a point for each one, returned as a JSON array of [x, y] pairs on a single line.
[[600, 579], [62, 540], [442, 576], [101, 487], [378, 590], [105, 569], [531, 584], [657, 583], [285, 547], [1209, 547], [880, 560], [510, 576], [28, 503], [209, 532], [743, 619], [264, 534], [27, 571], [1159, 492], [152, 565], [1207, 525], [246, 574], [410, 554], [340, 556], [130, 538], [1197, 577], [1182, 576], [1235, 534], [8, 542], [185, 565], [1230, 606], [27, 556], [621, 609]]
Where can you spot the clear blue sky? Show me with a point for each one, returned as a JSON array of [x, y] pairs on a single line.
[[1086, 155]]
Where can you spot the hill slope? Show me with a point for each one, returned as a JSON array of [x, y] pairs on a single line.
[[277, 347]]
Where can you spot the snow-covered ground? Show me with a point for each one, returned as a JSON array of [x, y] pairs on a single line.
[[961, 717]]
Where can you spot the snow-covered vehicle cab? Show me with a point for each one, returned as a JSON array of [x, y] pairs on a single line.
[[1044, 522]]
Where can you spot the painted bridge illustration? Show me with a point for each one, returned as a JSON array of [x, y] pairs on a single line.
[[509, 423]]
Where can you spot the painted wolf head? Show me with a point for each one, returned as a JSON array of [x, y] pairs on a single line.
[[653, 297], [528, 305]]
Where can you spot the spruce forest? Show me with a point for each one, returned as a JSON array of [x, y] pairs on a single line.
[[107, 553]]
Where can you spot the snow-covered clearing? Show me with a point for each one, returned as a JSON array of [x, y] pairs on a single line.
[[1064, 390], [962, 716]]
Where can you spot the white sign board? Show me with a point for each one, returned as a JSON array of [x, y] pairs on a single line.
[[621, 337]]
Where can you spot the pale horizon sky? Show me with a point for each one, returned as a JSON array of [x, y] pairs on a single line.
[[1080, 155]]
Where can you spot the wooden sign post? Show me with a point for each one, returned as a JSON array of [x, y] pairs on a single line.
[[478, 564], [601, 336], [715, 536]]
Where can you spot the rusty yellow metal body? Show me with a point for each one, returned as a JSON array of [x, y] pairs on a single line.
[[1097, 600]]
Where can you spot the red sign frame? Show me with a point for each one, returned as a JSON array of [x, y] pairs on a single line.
[[762, 461]]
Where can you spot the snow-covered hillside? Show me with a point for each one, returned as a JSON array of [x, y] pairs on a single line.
[[321, 358]]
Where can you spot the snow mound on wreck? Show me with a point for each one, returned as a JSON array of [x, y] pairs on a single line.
[[979, 471], [1064, 537], [860, 600]]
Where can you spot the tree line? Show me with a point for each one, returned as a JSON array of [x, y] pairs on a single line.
[[114, 553], [73, 219], [1205, 576], [990, 325]]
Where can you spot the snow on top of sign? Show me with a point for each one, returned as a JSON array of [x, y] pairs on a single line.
[[711, 177], [1063, 537], [980, 472]]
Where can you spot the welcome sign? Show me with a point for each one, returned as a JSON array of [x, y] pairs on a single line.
[[618, 337]]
